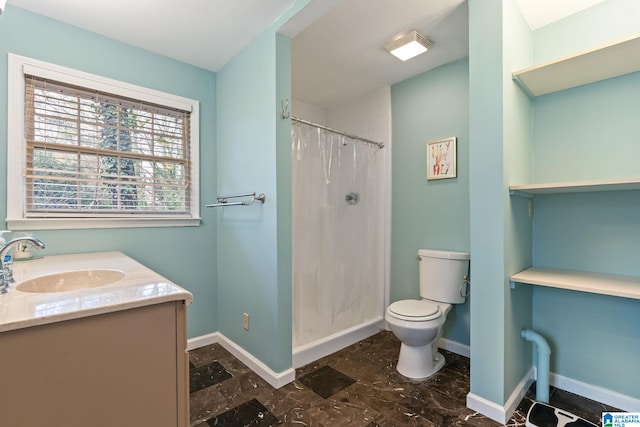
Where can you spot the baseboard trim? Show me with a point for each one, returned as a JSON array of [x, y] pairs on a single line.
[[202, 341], [502, 414], [496, 412], [276, 379], [490, 409], [455, 347], [518, 393], [486, 407], [315, 350], [599, 394]]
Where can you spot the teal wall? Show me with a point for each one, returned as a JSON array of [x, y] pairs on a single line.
[[254, 260], [284, 194], [185, 255], [602, 23], [429, 214], [591, 232], [517, 51], [486, 133], [500, 41], [589, 132]]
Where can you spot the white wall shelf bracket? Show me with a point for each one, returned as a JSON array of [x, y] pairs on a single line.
[[514, 285]]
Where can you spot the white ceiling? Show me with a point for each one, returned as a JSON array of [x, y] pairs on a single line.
[[205, 33], [337, 45], [341, 55]]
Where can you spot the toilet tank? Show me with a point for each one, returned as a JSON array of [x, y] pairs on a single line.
[[442, 275]]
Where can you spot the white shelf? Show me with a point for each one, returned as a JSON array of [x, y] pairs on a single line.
[[603, 62], [576, 187], [597, 283]]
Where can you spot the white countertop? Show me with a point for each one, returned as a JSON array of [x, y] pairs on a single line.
[[139, 287]]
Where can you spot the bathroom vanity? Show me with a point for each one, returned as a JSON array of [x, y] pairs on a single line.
[[109, 355]]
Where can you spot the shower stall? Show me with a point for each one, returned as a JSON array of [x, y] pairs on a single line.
[[338, 239]]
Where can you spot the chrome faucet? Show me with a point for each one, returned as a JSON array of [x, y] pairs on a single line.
[[6, 274]]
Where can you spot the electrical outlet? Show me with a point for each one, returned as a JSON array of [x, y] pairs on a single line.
[[245, 321]]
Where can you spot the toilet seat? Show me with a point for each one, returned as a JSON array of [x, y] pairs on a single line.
[[414, 310]]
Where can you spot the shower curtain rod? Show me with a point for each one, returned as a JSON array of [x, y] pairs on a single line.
[[357, 138]]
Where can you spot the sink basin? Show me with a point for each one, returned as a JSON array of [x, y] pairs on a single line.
[[70, 281]]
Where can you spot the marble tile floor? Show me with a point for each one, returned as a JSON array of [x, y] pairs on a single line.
[[356, 386]]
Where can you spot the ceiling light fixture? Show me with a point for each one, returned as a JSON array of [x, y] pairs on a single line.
[[3, 3], [408, 46]]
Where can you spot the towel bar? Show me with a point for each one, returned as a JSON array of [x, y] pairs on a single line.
[[224, 200]]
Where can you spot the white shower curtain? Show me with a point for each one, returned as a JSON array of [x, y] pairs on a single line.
[[337, 246]]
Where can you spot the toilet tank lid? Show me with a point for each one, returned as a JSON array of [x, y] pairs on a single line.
[[432, 253]]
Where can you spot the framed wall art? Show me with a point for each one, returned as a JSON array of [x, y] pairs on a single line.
[[441, 158]]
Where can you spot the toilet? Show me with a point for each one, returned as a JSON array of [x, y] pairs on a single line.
[[418, 323]]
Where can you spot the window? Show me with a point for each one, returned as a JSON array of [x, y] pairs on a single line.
[[89, 152]]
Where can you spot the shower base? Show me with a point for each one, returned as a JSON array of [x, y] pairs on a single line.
[[317, 349]]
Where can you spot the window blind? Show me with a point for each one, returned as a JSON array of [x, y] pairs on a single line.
[[90, 153]]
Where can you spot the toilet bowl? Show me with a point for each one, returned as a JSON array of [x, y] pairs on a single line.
[[418, 323]]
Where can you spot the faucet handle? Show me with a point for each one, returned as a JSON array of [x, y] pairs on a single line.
[[8, 272], [8, 275], [5, 278]]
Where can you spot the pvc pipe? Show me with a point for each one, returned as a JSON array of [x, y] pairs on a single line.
[[542, 371]]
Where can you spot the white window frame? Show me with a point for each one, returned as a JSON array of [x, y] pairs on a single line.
[[16, 150]]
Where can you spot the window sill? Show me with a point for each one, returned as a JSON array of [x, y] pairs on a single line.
[[84, 223]]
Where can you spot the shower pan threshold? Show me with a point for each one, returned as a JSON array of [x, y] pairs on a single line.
[[310, 352]]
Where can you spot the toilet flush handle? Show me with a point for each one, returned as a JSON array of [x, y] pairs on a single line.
[[418, 258], [465, 290]]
